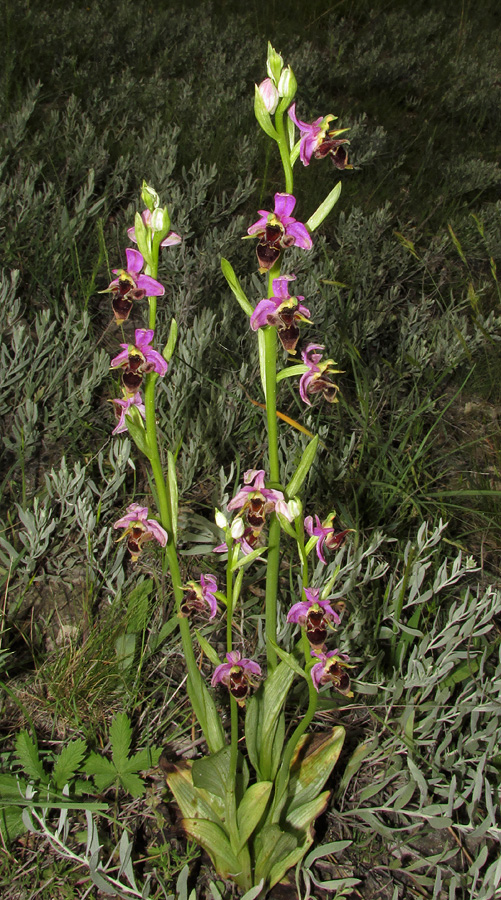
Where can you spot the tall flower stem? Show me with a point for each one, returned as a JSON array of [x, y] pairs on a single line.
[[273, 558], [164, 502], [283, 146]]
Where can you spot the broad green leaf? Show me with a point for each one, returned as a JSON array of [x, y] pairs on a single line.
[[287, 862], [120, 737], [275, 845], [286, 526], [138, 606], [68, 762], [269, 698], [27, 754], [289, 660], [236, 287], [213, 839], [324, 209], [302, 817], [125, 648], [303, 468], [206, 713], [252, 731], [166, 630], [314, 760], [211, 772], [251, 808], [191, 800]]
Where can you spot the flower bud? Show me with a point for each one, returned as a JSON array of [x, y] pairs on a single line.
[[150, 197], [295, 508], [269, 94], [274, 64], [287, 85], [221, 520], [237, 528]]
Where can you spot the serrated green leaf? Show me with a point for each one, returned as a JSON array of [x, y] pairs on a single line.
[[27, 754], [99, 765], [133, 784], [120, 737], [68, 762]]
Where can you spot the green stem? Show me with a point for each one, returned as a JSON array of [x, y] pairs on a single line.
[[283, 146], [273, 558], [284, 771]]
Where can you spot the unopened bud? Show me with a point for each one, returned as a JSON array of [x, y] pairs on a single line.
[[150, 197], [269, 94], [274, 64], [287, 85], [237, 528], [221, 520], [295, 508]]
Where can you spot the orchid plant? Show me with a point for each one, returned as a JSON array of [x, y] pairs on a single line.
[[253, 811]]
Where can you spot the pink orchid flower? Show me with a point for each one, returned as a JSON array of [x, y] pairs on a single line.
[[283, 311], [316, 380], [330, 669], [138, 359], [256, 501], [278, 230], [197, 595], [131, 285], [327, 535], [139, 529], [317, 141], [237, 674], [121, 408], [314, 615]]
